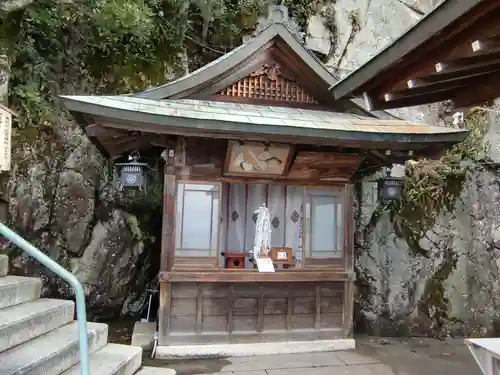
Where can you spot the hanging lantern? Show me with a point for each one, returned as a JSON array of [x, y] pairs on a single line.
[[133, 173], [390, 189]]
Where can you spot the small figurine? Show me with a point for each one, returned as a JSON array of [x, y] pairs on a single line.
[[262, 243]]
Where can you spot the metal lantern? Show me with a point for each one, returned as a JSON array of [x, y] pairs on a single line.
[[133, 173], [390, 189]]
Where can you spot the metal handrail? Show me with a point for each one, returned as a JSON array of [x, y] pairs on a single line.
[[55, 267]]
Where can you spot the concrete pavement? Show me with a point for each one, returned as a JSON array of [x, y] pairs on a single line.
[[374, 356]]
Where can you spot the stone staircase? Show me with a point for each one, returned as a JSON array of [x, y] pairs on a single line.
[[38, 336]]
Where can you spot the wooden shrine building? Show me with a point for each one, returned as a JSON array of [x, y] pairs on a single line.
[[453, 53], [258, 125]]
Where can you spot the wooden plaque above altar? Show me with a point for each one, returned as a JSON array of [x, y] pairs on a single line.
[[257, 159]]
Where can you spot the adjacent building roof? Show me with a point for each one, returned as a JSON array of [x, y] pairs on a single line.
[[452, 53], [189, 115]]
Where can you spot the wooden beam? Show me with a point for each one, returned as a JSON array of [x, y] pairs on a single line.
[[485, 44], [132, 144], [349, 228], [469, 59], [449, 86], [483, 22], [454, 75], [168, 226], [410, 101], [249, 275], [164, 313], [483, 91], [348, 309], [98, 130]]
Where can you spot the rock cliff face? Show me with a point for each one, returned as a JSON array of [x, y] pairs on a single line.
[[455, 290], [65, 205]]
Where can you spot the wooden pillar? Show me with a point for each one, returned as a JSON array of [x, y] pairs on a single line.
[[167, 243], [168, 227], [174, 157], [348, 305], [164, 312]]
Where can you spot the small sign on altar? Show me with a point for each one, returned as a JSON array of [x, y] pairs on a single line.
[[265, 264]]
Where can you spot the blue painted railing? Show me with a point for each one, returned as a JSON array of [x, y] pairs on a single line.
[[70, 278]]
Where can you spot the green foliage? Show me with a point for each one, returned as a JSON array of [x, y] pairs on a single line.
[[433, 186], [303, 10], [133, 225], [113, 46]]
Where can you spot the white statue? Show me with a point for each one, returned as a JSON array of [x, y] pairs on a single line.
[[262, 231]]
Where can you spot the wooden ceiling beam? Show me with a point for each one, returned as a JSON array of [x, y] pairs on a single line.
[[483, 91], [130, 145], [456, 74], [98, 130], [471, 58], [484, 22], [410, 100], [486, 43]]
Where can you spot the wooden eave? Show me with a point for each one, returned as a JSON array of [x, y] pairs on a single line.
[[154, 119], [451, 54]]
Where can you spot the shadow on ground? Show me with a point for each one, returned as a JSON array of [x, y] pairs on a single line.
[[401, 356]]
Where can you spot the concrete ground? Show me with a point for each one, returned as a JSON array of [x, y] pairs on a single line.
[[373, 356]]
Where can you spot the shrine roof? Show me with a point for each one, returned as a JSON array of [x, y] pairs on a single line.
[[277, 26], [167, 116]]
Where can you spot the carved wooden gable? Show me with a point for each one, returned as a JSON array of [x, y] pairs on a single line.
[[270, 82]]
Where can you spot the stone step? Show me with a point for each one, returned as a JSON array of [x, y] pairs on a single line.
[[52, 353], [17, 289], [4, 265], [156, 371], [21, 323], [113, 359]]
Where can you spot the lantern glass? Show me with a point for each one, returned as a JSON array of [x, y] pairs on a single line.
[[390, 189], [133, 173]]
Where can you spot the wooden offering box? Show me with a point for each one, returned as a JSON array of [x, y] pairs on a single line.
[[282, 255], [234, 260]]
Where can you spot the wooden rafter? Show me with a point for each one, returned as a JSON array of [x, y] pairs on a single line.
[[478, 67], [98, 130], [483, 25], [468, 59]]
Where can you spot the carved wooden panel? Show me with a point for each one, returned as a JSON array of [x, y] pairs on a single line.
[[270, 82], [324, 165]]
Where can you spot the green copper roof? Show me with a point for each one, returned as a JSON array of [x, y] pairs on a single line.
[[225, 117]]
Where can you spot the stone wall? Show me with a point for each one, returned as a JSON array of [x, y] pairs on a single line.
[[398, 292], [67, 204]]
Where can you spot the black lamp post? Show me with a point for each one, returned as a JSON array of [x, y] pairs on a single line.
[[133, 173], [390, 189]]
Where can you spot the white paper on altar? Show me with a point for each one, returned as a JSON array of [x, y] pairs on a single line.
[[265, 265]]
